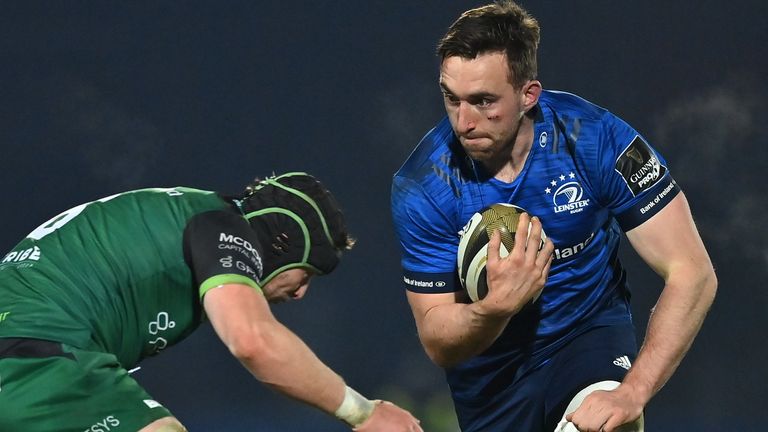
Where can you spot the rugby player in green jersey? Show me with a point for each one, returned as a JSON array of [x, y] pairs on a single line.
[[105, 284]]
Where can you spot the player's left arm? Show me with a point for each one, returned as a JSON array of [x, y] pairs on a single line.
[[670, 244]]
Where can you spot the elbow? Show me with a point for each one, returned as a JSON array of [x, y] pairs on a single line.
[[438, 358], [440, 355], [254, 350], [701, 283], [245, 349], [444, 362], [709, 286], [694, 285]]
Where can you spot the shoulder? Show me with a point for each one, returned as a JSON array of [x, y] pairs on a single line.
[[217, 219], [434, 146], [170, 197], [569, 105], [436, 167], [585, 126]]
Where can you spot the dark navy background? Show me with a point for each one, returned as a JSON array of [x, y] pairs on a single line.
[[101, 97]]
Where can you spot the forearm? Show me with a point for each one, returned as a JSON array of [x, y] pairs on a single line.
[[452, 333], [277, 357], [270, 351], [291, 368], [674, 323]]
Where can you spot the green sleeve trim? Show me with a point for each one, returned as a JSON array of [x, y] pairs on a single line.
[[223, 279]]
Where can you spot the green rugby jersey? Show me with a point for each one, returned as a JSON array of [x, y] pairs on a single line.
[[110, 275]]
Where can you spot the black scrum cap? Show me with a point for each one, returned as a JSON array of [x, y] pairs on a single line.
[[298, 222]]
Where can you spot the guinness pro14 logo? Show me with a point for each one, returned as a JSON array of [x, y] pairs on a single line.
[[639, 166]]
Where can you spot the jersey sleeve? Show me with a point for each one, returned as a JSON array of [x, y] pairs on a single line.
[[427, 239], [221, 248], [635, 180]]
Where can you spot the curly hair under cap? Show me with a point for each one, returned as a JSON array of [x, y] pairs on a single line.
[[298, 223]]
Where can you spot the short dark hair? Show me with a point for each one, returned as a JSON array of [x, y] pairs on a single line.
[[503, 26]]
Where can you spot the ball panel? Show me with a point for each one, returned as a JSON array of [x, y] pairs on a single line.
[[482, 285], [473, 244], [476, 274], [504, 218], [476, 282], [468, 248]]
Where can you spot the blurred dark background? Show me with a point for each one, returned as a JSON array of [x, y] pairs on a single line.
[[101, 97]]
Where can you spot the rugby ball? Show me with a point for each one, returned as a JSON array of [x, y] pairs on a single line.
[[473, 245]]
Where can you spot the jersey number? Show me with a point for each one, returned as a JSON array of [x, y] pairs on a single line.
[[59, 220]]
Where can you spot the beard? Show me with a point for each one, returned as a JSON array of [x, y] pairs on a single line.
[[493, 145], [478, 154]]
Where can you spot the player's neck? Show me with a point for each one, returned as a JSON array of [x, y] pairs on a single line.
[[510, 164]]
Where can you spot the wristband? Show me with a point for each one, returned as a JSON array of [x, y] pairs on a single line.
[[355, 408]]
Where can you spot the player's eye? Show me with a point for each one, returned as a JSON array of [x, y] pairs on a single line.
[[451, 99], [484, 102]]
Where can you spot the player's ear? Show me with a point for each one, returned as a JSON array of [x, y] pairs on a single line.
[[531, 93]]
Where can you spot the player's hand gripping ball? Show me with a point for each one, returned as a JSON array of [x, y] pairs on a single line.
[[473, 244]]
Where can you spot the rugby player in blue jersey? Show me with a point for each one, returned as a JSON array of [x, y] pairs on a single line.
[[569, 360]]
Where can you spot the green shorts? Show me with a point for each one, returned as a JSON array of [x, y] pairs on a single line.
[[48, 386]]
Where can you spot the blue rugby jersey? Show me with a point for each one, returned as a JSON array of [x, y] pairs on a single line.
[[588, 176]]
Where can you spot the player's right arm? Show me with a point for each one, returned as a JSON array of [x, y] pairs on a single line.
[[225, 256], [452, 331], [274, 355], [277, 357]]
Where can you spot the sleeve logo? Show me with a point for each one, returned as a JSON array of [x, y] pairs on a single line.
[[639, 166], [245, 248]]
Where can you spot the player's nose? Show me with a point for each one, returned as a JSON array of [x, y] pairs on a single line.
[[466, 120], [301, 291]]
